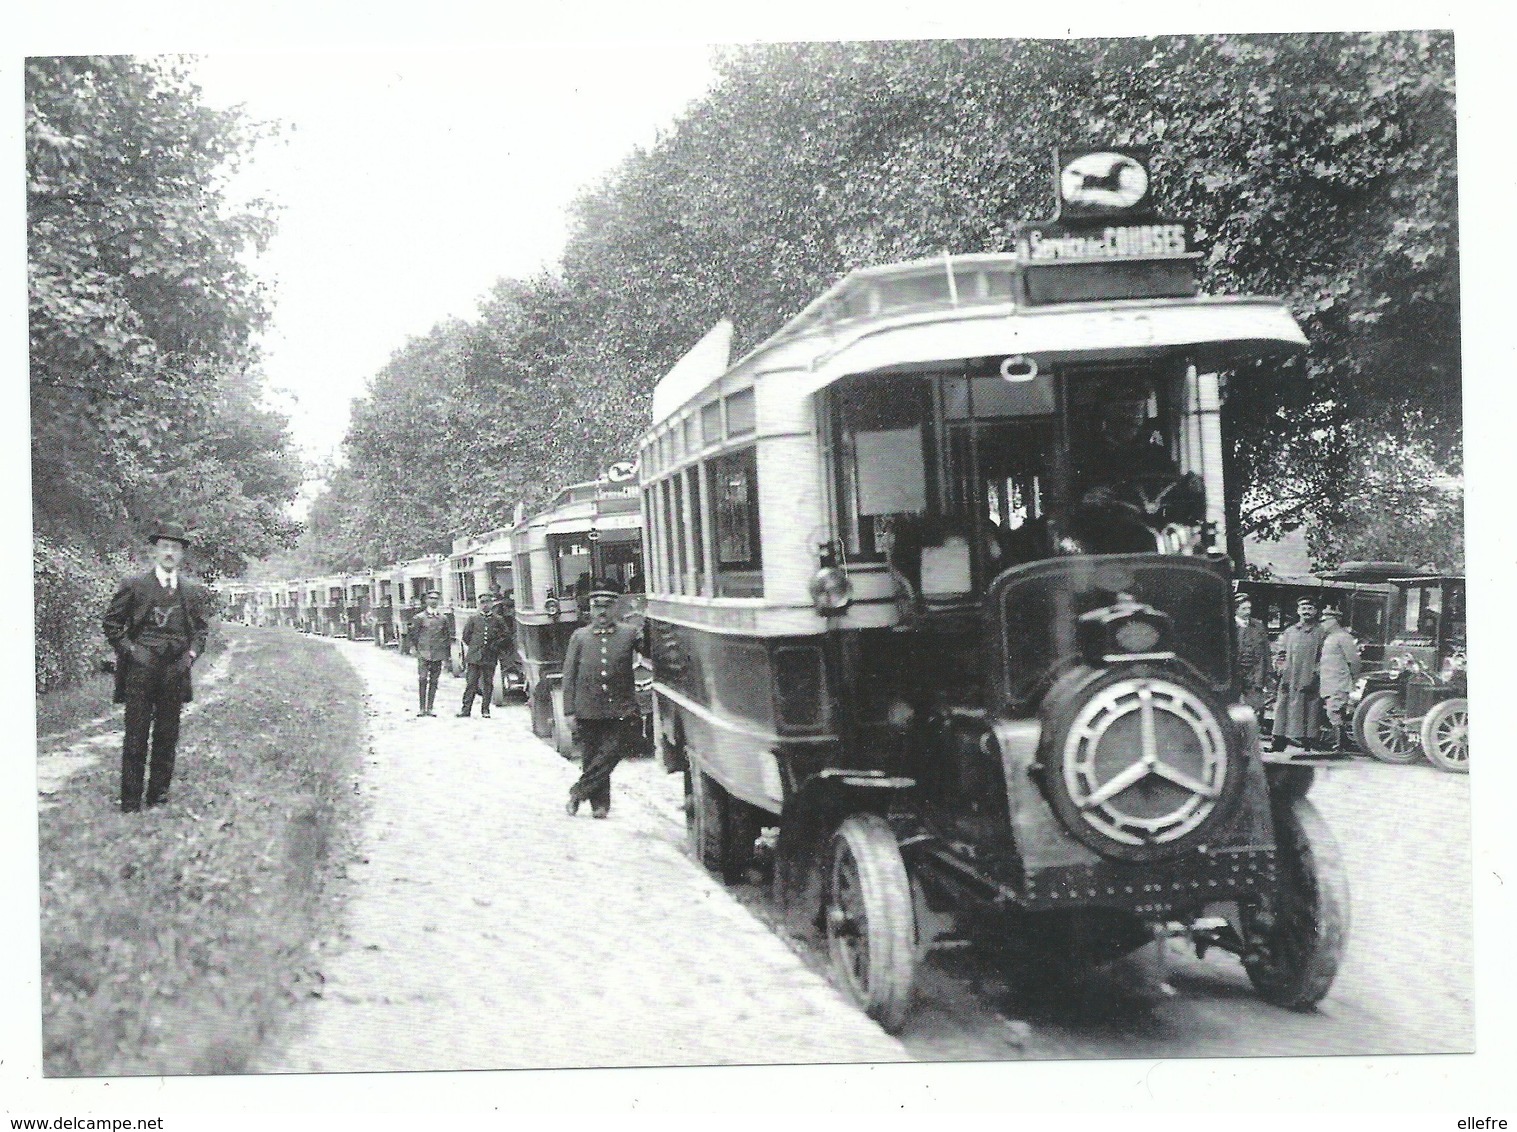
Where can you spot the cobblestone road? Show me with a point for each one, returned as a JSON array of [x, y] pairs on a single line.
[[488, 930]]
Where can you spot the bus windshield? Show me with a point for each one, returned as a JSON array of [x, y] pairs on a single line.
[[951, 478]]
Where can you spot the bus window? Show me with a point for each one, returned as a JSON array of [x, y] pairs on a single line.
[[571, 557], [1011, 475], [697, 533], [734, 490], [523, 581], [884, 464]]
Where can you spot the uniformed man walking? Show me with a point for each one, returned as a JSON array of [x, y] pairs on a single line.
[[483, 638], [156, 623], [600, 703], [431, 639]]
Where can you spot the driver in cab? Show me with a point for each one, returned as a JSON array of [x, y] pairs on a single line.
[[1128, 487]]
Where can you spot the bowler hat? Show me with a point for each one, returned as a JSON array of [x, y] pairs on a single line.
[[166, 529], [605, 587]]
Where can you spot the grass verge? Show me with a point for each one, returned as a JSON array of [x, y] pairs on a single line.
[[68, 708], [174, 940]]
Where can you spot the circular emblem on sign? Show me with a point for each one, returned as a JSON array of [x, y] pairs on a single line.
[[621, 471], [1144, 762], [1103, 180]]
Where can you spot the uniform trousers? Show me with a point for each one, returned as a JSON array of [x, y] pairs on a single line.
[[154, 698], [602, 744], [427, 674], [479, 680]]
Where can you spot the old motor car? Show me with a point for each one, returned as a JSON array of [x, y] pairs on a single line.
[[1417, 703]]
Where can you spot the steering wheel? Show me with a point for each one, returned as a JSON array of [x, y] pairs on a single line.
[[1154, 499]]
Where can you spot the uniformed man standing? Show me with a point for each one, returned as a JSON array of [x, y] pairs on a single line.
[[1253, 652], [432, 639], [483, 637], [157, 626], [600, 703], [1296, 704]]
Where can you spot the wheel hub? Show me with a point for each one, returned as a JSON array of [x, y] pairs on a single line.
[[1144, 762]]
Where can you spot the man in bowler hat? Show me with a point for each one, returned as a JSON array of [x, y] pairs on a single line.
[[157, 626], [600, 702]]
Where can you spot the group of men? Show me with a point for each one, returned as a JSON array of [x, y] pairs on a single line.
[[157, 624], [488, 637], [1316, 679]]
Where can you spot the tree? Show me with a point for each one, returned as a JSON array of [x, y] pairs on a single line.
[[1319, 168], [141, 315]]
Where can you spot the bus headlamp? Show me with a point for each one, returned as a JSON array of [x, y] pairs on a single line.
[[831, 591]]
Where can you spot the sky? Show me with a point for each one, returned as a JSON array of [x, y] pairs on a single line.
[[407, 183]]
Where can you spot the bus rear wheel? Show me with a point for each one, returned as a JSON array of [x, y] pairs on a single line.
[[869, 919], [721, 829]]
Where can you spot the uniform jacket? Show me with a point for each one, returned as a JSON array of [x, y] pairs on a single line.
[[129, 612], [485, 638], [1338, 667], [598, 673], [432, 635], [1253, 654]]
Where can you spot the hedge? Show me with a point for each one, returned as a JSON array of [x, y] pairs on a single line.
[[71, 590]]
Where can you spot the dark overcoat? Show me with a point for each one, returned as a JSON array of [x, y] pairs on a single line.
[[129, 611]]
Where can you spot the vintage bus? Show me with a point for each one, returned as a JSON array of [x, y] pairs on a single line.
[[408, 583], [589, 530], [938, 589], [481, 564]]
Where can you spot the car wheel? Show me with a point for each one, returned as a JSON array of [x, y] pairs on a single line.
[[1446, 735], [1381, 728]]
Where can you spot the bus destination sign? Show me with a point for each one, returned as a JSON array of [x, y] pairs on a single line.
[[1106, 239]]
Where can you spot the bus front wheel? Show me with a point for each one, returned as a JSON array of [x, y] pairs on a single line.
[[869, 919]]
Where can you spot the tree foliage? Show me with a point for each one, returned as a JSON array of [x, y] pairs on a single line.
[[142, 312], [1319, 168]]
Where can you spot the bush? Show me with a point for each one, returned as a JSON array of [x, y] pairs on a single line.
[[71, 590]]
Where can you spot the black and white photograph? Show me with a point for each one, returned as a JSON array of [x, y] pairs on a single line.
[[864, 565]]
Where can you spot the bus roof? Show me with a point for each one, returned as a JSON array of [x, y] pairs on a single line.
[[924, 312]]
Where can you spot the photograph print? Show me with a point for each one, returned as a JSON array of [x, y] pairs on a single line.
[[785, 553]]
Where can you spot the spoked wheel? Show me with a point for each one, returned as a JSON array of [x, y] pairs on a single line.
[[1381, 728], [1299, 932], [867, 912], [1446, 735]]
